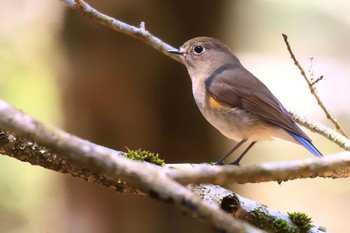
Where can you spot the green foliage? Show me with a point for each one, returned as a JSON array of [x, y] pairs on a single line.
[[281, 226], [264, 221], [120, 185], [301, 220], [143, 155]]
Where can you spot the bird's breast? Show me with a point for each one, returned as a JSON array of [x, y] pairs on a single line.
[[234, 122]]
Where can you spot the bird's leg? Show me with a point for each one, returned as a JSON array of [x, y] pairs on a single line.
[[221, 161], [236, 162]]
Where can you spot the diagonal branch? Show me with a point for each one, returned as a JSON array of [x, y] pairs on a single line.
[[28, 151], [144, 176], [25, 150], [250, 211], [312, 88], [314, 126], [231, 203], [139, 33]]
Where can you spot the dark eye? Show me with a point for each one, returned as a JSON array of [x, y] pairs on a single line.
[[198, 49]]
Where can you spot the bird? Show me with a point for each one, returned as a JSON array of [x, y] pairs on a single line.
[[233, 100]]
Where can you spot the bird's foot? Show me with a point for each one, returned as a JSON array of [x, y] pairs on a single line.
[[235, 163]]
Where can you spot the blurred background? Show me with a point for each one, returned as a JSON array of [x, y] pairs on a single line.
[[71, 72]]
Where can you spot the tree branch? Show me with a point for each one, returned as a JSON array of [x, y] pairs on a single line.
[[248, 210], [144, 176], [335, 166], [233, 204], [139, 33], [314, 126], [313, 88], [28, 151]]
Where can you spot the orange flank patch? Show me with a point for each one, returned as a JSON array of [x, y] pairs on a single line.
[[215, 103]]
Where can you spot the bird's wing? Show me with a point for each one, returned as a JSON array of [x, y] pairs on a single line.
[[236, 86]]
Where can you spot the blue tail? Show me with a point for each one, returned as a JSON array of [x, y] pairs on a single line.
[[308, 145]]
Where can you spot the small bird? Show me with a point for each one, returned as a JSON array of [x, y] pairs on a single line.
[[233, 100]]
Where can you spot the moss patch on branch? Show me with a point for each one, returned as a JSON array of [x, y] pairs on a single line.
[[264, 221], [143, 155], [301, 220]]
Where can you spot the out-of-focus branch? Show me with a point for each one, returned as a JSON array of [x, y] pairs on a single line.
[[248, 210], [29, 151], [146, 177], [330, 167], [312, 89], [235, 205]]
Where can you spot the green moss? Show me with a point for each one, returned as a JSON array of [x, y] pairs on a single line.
[[143, 155], [120, 186], [263, 219], [301, 220], [265, 222], [281, 226]]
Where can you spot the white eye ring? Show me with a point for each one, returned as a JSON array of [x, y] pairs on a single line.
[[198, 49]]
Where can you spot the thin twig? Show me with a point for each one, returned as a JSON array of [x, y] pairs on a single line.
[[312, 89], [312, 74], [317, 80], [139, 33]]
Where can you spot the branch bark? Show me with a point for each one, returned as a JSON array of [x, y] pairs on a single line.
[[233, 204], [144, 176], [335, 166], [248, 210]]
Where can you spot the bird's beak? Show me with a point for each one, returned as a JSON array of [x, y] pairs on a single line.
[[176, 51]]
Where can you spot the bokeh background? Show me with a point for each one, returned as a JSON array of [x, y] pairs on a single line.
[[71, 72]]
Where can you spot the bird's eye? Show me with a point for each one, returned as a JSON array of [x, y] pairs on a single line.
[[198, 49]]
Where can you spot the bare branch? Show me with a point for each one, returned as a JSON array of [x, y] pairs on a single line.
[[28, 151], [317, 80], [314, 126], [312, 89], [139, 33], [144, 176], [335, 166], [237, 206], [247, 210]]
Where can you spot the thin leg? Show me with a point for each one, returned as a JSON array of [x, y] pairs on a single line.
[[236, 162], [221, 161]]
